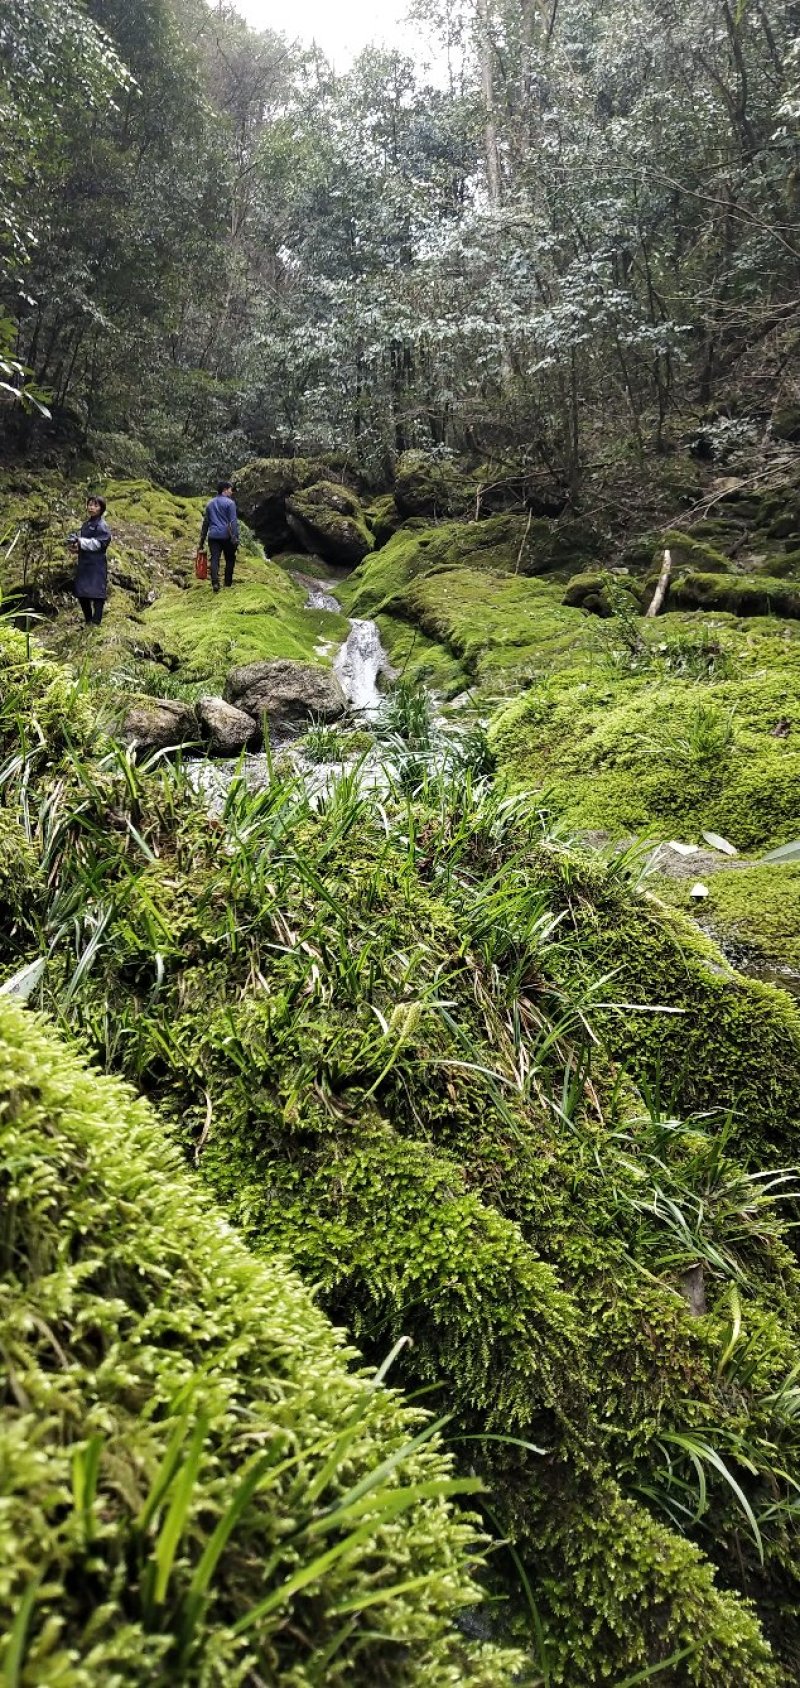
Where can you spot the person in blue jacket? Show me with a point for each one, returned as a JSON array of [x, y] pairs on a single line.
[[91, 572], [221, 525]]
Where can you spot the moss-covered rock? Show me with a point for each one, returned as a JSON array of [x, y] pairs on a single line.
[[329, 521], [383, 519], [754, 910], [263, 616], [655, 756], [690, 551], [262, 488], [187, 1375], [500, 545], [433, 486], [785, 567], [590, 592], [737, 595]]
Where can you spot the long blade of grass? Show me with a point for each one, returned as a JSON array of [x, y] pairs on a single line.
[[175, 1521]]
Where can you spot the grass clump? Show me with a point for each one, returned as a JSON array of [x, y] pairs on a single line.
[[197, 1488]]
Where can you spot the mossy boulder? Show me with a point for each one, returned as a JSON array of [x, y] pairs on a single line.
[[738, 595], [160, 723], [500, 545], [433, 486], [329, 522], [589, 592], [286, 693], [383, 519], [262, 488], [655, 757], [689, 551]]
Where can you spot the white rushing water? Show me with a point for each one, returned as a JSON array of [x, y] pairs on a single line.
[[359, 666]]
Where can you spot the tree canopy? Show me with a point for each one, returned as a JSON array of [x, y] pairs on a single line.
[[212, 245]]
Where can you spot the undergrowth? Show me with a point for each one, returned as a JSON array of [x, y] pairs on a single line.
[[486, 1094]]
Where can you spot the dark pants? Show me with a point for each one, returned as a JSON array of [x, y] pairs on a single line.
[[228, 549], [92, 610]]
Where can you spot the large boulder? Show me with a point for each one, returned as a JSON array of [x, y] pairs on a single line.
[[285, 692], [262, 488], [226, 729], [160, 723], [432, 486], [329, 522]]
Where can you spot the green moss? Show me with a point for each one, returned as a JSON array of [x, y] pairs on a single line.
[[590, 592], [20, 887], [500, 545], [370, 1026], [737, 595], [264, 485], [164, 1327], [262, 616], [639, 755], [420, 660], [383, 519], [781, 567], [657, 957], [689, 551], [756, 909], [432, 486], [331, 521]]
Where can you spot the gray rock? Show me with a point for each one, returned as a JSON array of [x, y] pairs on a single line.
[[160, 723], [286, 692], [226, 729]]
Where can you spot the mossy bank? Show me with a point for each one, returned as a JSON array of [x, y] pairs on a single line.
[[485, 1094]]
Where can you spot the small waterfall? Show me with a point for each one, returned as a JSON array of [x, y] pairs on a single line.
[[359, 666]]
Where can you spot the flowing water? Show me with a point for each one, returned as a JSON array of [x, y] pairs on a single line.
[[360, 664]]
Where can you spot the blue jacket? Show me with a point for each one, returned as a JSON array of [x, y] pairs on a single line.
[[91, 572], [220, 520]]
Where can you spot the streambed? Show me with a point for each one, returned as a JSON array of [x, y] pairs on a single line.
[[363, 670]]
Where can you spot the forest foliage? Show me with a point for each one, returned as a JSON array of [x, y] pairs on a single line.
[[584, 216]]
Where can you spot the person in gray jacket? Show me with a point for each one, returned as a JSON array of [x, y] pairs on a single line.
[[221, 525], [91, 571]]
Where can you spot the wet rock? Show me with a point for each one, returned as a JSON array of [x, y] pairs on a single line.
[[160, 723], [329, 522], [226, 729], [286, 692]]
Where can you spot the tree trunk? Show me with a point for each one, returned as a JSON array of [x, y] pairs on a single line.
[[490, 143]]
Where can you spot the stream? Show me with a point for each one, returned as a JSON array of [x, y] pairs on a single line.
[[359, 665]]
